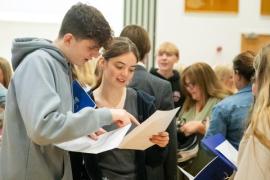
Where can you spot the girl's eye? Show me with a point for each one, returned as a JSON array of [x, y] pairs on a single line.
[[132, 70], [119, 67]]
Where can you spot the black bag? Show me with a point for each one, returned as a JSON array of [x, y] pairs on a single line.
[[188, 146]]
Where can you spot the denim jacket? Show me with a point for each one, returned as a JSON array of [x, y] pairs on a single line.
[[229, 116]]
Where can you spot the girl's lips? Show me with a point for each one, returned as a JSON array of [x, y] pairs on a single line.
[[121, 81]]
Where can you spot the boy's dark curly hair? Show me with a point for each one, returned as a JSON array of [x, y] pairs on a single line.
[[86, 22]]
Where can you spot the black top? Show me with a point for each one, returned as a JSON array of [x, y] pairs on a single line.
[[118, 164], [162, 91], [175, 81]]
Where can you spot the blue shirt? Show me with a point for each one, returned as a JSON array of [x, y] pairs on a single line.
[[229, 116]]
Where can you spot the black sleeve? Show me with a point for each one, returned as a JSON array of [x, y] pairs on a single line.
[[155, 155]]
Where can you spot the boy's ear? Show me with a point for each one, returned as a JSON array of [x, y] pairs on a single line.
[[68, 38], [177, 58]]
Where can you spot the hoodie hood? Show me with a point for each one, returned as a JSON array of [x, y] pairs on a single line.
[[173, 78], [21, 47]]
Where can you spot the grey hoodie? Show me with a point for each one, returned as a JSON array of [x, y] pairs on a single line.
[[39, 114]]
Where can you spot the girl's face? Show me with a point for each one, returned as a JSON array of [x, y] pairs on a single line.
[[193, 89], [118, 71], [229, 81]]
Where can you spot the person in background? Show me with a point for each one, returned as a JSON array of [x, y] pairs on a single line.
[[167, 56], [39, 104], [225, 75], [229, 116], [85, 74], [5, 76], [254, 149], [3, 93], [161, 90], [117, 68], [5, 72], [202, 91]]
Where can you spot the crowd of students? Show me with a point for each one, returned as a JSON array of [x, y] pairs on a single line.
[[233, 101]]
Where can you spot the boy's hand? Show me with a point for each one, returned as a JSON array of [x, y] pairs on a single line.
[[95, 135], [121, 117]]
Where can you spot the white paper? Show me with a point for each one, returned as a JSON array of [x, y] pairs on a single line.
[[138, 138], [189, 176], [228, 151], [105, 142]]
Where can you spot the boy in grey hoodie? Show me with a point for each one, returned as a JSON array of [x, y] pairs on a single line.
[[39, 100]]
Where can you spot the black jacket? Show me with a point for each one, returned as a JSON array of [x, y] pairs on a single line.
[[162, 91], [175, 81]]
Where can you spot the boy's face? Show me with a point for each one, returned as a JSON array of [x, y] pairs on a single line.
[[166, 61], [79, 51]]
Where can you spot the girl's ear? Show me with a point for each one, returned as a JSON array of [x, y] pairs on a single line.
[[101, 63]]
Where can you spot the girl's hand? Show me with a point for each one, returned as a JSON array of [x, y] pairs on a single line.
[[161, 139]]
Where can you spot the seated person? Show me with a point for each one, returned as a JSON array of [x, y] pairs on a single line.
[[202, 91]]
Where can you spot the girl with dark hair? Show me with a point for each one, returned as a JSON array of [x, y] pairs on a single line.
[[116, 69]]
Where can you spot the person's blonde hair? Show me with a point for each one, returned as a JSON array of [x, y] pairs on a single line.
[[85, 73], [7, 71], [168, 47], [223, 72], [202, 75], [261, 109]]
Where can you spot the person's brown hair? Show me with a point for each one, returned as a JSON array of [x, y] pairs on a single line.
[[203, 75], [86, 22], [243, 65], [7, 71], [139, 37]]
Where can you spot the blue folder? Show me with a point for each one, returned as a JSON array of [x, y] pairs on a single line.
[[212, 142], [215, 170], [81, 98]]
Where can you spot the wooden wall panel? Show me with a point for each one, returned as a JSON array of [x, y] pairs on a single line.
[[254, 42], [265, 7], [224, 6]]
